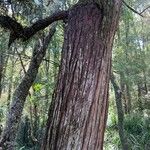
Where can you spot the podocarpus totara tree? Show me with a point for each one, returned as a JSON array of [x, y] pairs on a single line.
[[78, 113]]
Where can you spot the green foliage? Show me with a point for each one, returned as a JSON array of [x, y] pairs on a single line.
[[112, 120], [112, 141], [133, 124], [26, 139], [37, 87], [24, 134], [138, 130]]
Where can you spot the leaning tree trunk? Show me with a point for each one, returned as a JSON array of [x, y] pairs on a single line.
[[120, 113], [13, 118], [77, 117]]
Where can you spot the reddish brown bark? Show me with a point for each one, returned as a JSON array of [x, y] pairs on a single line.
[[77, 117]]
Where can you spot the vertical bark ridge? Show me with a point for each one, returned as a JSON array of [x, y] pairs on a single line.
[[81, 100]]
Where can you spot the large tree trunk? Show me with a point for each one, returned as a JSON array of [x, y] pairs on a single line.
[[13, 118], [77, 117]]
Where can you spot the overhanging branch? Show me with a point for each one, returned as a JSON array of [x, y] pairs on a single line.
[[139, 13], [144, 10], [17, 31], [132, 9]]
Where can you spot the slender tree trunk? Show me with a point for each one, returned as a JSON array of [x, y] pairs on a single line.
[[142, 57], [4, 72], [14, 115], [120, 113], [128, 98], [127, 26], [140, 104], [145, 82], [78, 115], [1, 75], [1, 69], [47, 93], [123, 91], [10, 81]]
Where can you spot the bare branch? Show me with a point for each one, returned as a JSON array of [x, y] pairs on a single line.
[[24, 33], [144, 10], [139, 13], [132, 9]]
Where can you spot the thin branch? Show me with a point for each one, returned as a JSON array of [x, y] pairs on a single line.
[[17, 31], [139, 13], [144, 10], [132, 9], [43, 23], [21, 61], [26, 58]]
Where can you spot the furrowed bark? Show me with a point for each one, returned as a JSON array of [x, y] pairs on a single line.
[[77, 117], [14, 115]]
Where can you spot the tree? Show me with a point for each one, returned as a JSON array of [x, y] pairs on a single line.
[[78, 113], [120, 113], [13, 119]]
